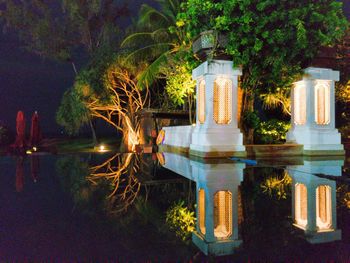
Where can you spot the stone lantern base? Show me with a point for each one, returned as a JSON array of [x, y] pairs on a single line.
[[217, 248]]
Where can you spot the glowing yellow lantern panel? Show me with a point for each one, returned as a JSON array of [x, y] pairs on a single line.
[[222, 101], [322, 102], [323, 207], [301, 205], [201, 101], [223, 214], [299, 104], [201, 210]]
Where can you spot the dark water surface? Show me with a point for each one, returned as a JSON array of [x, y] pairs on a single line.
[[121, 208]]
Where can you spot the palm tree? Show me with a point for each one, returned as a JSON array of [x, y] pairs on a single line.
[[156, 39]]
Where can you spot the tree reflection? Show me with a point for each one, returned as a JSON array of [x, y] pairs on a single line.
[[121, 171], [277, 185]]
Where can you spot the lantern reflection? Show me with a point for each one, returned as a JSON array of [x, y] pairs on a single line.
[[222, 214], [314, 199], [201, 211], [218, 195], [323, 207], [301, 205]]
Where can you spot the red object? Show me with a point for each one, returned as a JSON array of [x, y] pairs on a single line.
[[154, 134], [21, 130], [35, 134], [19, 174]]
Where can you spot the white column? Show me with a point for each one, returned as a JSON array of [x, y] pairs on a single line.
[[210, 139], [318, 137]]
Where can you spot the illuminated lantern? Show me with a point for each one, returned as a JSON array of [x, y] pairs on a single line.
[[201, 101], [314, 200], [222, 101], [313, 117], [216, 133]]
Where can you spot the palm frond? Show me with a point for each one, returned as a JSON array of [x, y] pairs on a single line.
[[149, 51], [140, 38], [150, 17], [275, 100], [149, 75]]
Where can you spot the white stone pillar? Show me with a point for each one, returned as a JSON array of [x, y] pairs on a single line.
[[313, 114], [210, 138]]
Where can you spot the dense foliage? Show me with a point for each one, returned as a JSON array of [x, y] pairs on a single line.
[[181, 220], [272, 40], [165, 48], [62, 29], [271, 131]]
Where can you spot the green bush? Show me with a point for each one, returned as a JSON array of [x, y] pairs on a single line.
[[181, 220], [271, 132], [251, 119]]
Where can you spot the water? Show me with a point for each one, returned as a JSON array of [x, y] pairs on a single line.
[[166, 207]]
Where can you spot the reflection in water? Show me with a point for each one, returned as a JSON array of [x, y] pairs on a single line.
[[34, 168], [218, 209], [34, 165], [121, 171], [231, 210], [300, 205], [275, 185], [314, 200], [19, 174]]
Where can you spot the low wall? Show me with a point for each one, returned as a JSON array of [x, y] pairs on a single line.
[[178, 136]]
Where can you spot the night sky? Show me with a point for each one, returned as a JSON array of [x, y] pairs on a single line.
[[30, 83]]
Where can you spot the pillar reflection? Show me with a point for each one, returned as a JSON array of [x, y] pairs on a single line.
[[314, 199]]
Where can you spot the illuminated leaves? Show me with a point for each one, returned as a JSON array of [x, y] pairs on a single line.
[[267, 36], [181, 220]]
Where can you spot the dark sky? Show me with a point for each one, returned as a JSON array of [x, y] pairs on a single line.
[[29, 83]]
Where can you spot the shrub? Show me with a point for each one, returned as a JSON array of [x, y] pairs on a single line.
[[271, 132], [181, 220]]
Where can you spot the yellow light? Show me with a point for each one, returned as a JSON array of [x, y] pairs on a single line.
[[322, 102], [299, 103], [222, 101], [301, 205], [193, 124], [323, 207], [201, 210], [201, 102], [28, 152], [222, 214], [102, 148]]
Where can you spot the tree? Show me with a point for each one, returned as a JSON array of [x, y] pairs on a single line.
[[273, 40], [59, 29], [63, 30], [157, 41], [108, 91]]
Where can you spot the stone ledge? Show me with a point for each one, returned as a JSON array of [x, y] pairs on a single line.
[[324, 152], [274, 150]]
